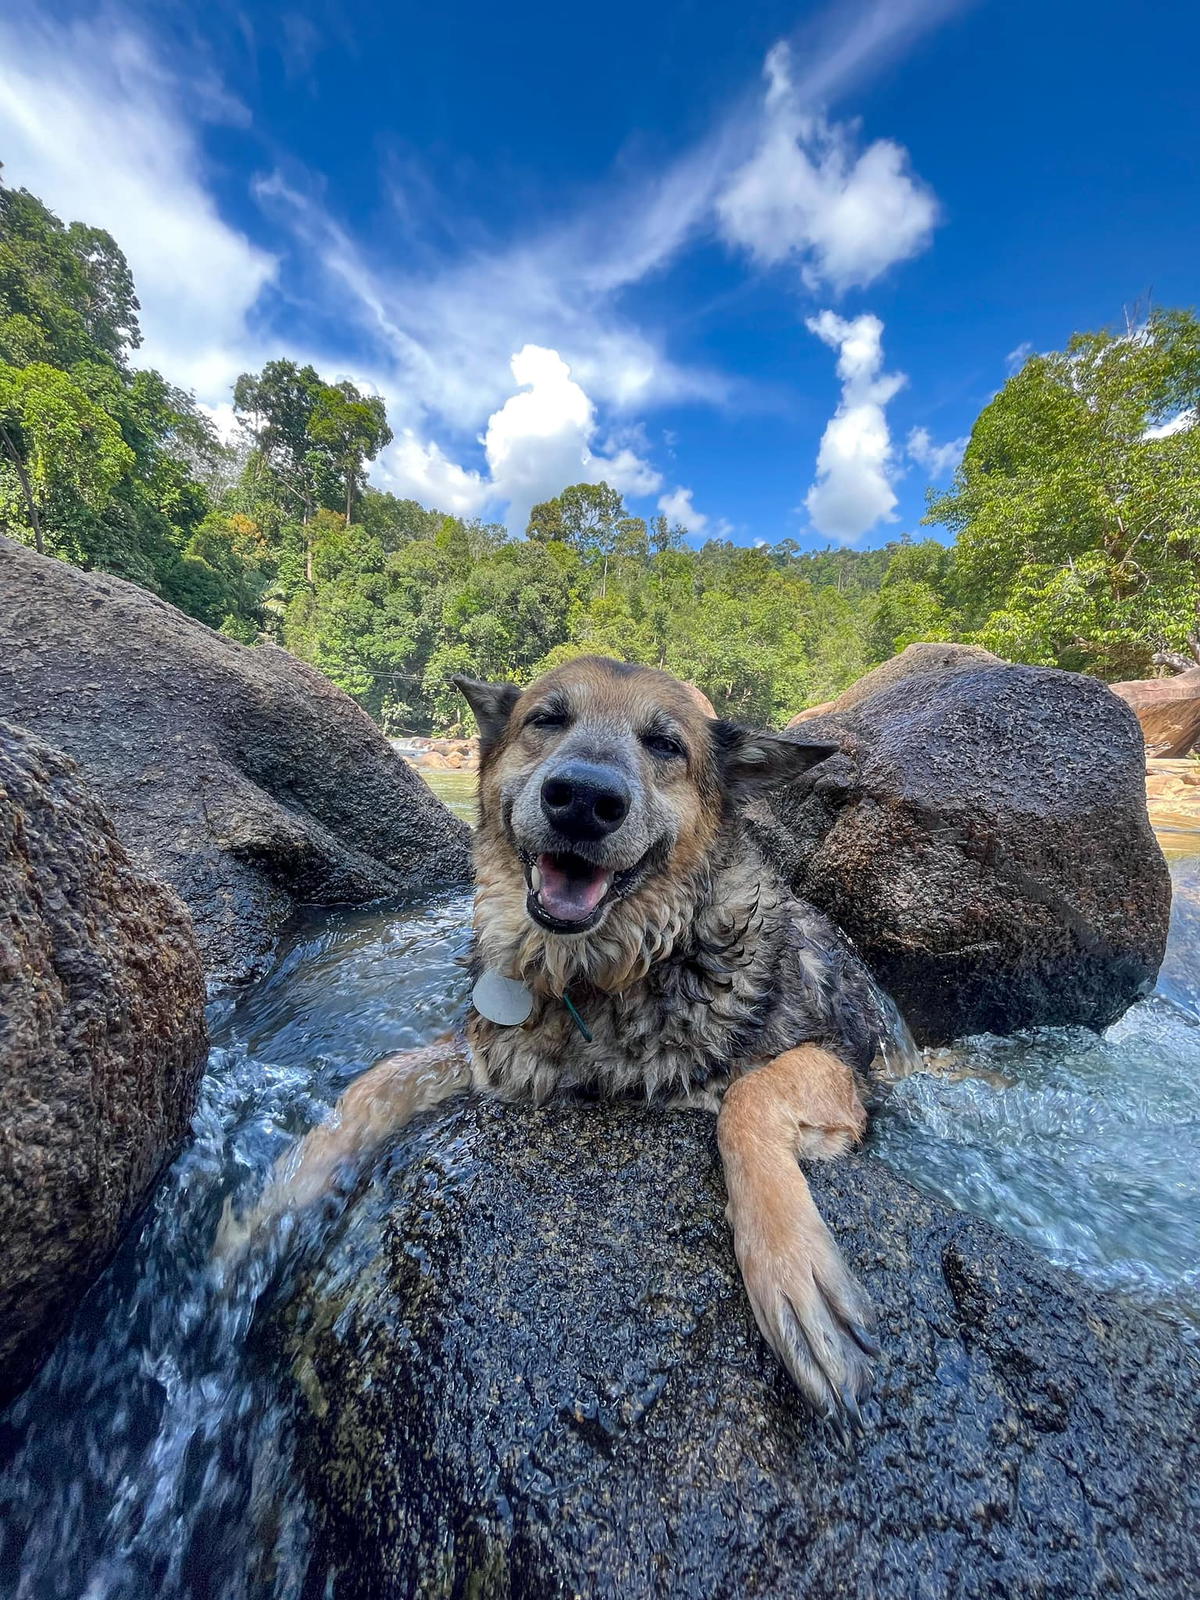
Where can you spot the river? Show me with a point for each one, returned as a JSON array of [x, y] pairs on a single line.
[[152, 1455]]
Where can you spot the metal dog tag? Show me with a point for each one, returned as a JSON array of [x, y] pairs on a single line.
[[501, 999]]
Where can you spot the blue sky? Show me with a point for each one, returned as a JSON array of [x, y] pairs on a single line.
[[757, 264]]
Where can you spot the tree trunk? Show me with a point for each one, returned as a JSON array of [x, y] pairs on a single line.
[[35, 521]]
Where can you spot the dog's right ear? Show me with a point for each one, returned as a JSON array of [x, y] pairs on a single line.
[[492, 704]]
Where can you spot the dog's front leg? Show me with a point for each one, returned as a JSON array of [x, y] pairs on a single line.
[[811, 1311], [387, 1096]]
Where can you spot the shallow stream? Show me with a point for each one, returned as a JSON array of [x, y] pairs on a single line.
[[151, 1457]]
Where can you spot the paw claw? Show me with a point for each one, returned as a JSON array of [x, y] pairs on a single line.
[[865, 1341]]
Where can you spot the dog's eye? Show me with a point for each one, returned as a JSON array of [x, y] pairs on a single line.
[[547, 717], [662, 744]]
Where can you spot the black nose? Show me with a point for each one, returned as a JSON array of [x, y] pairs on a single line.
[[584, 801]]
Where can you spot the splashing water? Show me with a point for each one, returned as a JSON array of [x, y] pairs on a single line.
[[152, 1455], [1087, 1147]]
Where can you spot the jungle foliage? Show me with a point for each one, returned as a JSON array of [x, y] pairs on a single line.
[[1076, 511]]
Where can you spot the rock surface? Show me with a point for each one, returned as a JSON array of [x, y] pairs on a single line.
[[982, 836], [239, 776], [915, 660], [102, 1043], [1168, 710], [544, 1379]]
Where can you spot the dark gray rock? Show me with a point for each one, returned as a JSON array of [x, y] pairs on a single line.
[[541, 1377], [983, 839], [102, 1043], [241, 777]]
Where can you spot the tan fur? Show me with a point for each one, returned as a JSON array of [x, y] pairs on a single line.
[[805, 1302], [643, 928]]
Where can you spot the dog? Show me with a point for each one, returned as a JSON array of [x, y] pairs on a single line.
[[631, 939]]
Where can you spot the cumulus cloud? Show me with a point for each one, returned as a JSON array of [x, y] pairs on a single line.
[[1181, 422], [418, 469], [539, 441], [91, 122], [853, 489], [937, 459], [809, 195], [678, 507]]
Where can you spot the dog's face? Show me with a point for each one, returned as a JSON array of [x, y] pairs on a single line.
[[601, 778]]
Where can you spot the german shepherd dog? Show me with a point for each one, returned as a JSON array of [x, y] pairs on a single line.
[[640, 945]]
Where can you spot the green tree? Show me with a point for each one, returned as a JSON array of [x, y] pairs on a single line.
[[1077, 503], [61, 453], [66, 293], [352, 429]]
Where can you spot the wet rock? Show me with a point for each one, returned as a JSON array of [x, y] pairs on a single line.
[[542, 1377], [102, 1043], [1168, 710], [240, 776], [983, 838], [915, 660]]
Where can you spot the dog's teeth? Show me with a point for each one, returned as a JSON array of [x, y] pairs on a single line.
[[535, 878]]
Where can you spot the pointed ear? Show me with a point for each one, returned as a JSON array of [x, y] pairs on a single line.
[[492, 704], [751, 760]]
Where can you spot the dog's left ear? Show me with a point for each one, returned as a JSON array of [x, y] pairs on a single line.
[[492, 704], [751, 760]]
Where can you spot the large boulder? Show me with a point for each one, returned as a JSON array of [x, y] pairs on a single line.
[[915, 660], [241, 777], [543, 1378], [102, 1043], [1168, 710], [982, 837]]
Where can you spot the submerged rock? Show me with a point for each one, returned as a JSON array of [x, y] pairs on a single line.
[[240, 776], [102, 1043], [983, 838], [542, 1377]]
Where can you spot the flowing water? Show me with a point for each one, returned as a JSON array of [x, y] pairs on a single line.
[[152, 1455]]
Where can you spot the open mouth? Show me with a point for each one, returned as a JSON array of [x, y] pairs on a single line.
[[569, 894]]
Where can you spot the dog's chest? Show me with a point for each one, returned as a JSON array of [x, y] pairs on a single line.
[[677, 1033]]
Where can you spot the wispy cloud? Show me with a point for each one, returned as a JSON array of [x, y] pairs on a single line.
[[107, 128], [93, 122], [937, 459]]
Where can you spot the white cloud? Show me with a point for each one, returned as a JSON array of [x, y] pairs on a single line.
[[539, 441], [937, 459], [678, 507], [93, 125], [853, 490], [421, 471], [223, 419], [1180, 423], [1016, 359], [808, 195], [107, 127]]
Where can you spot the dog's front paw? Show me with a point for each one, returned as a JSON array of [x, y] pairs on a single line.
[[809, 1307]]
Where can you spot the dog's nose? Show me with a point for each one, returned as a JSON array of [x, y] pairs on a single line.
[[583, 801]]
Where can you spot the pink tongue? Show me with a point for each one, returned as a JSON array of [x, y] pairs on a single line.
[[571, 897]]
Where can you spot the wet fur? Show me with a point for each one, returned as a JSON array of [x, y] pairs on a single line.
[[707, 983], [708, 968]]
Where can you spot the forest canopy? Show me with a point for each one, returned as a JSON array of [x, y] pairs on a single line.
[[1075, 514]]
